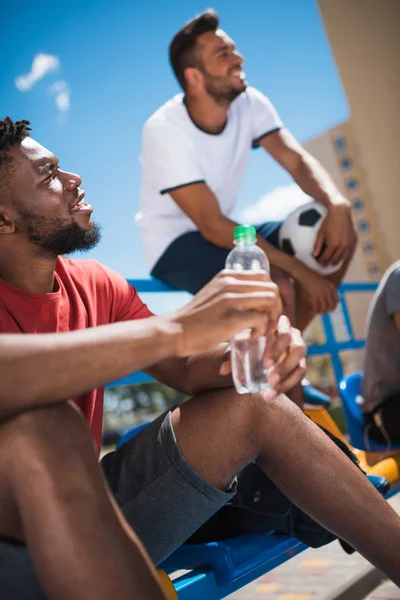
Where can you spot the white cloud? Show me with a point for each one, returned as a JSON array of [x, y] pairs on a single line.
[[60, 90], [275, 205], [42, 65]]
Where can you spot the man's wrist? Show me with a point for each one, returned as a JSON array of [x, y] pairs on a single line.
[[169, 336], [338, 202]]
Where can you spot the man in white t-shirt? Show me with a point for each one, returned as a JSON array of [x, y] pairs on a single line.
[[194, 152]]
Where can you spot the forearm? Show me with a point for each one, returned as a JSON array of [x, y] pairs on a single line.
[[43, 369], [203, 371], [195, 374], [314, 180]]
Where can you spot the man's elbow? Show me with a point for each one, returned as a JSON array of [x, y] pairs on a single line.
[[210, 230]]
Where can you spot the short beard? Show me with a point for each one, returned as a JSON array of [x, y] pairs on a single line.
[[222, 94], [53, 237]]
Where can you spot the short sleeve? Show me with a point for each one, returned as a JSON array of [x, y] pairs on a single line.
[[392, 292], [169, 157], [264, 116], [123, 300]]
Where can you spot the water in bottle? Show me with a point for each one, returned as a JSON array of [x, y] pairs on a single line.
[[248, 371]]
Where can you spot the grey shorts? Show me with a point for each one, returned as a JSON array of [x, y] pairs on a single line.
[[162, 497]]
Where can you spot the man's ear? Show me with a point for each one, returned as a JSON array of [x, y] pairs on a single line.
[[194, 78], [7, 224]]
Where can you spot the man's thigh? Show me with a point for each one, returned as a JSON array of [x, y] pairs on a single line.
[[190, 261], [163, 499]]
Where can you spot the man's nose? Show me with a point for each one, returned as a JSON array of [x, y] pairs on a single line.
[[72, 181], [239, 57]]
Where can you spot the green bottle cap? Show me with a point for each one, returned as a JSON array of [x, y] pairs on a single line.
[[244, 232]]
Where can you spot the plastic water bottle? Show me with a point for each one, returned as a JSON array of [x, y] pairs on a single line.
[[249, 374]]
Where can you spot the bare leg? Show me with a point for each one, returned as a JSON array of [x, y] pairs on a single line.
[[54, 499], [288, 294], [220, 432], [304, 311]]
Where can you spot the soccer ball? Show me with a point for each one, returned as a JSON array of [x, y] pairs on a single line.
[[298, 234]]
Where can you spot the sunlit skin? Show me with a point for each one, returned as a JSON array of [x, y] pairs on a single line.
[[46, 201], [216, 82], [56, 192], [221, 60]]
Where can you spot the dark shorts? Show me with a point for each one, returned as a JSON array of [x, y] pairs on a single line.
[[383, 424], [191, 261], [162, 497]]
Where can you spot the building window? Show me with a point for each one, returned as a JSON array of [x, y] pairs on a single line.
[[373, 269], [352, 184], [346, 164], [358, 205], [340, 142], [363, 226], [369, 248]]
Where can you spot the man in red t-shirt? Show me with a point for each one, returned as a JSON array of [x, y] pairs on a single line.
[[83, 327]]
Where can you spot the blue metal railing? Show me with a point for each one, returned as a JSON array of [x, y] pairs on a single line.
[[332, 346]]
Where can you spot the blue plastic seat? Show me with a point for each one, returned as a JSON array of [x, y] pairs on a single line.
[[350, 392], [315, 397], [130, 433], [219, 568], [231, 558]]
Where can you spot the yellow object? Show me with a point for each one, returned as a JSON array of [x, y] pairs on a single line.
[[268, 588], [295, 597], [321, 417], [388, 466], [167, 585]]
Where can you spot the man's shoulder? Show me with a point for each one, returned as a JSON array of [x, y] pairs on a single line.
[[170, 114]]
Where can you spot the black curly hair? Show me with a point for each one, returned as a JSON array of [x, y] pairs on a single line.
[[11, 133]]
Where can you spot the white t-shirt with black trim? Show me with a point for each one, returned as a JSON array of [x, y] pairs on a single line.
[[176, 153]]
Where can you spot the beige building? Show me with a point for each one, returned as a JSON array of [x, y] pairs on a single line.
[[363, 154], [365, 39], [337, 150]]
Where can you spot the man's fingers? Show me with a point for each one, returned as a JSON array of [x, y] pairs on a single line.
[[264, 302], [279, 342], [255, 320], [319, 242], [244, 275], [291, 380], [326, 256], [338, 255], [225, 368], [294, 359]]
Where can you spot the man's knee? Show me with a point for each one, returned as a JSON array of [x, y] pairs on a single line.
[[248, 416], [287, 289], [35, 433], [283, 280]]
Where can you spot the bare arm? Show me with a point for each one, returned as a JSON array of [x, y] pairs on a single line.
[[201, 205], [212, 370], [44, 369], [36, 370], [337, 232], [306, 171], [195, 374]]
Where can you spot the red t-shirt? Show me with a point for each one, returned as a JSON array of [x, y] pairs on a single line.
[[88, 294]]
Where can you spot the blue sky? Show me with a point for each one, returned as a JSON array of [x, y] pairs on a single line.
[[113, 61]]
